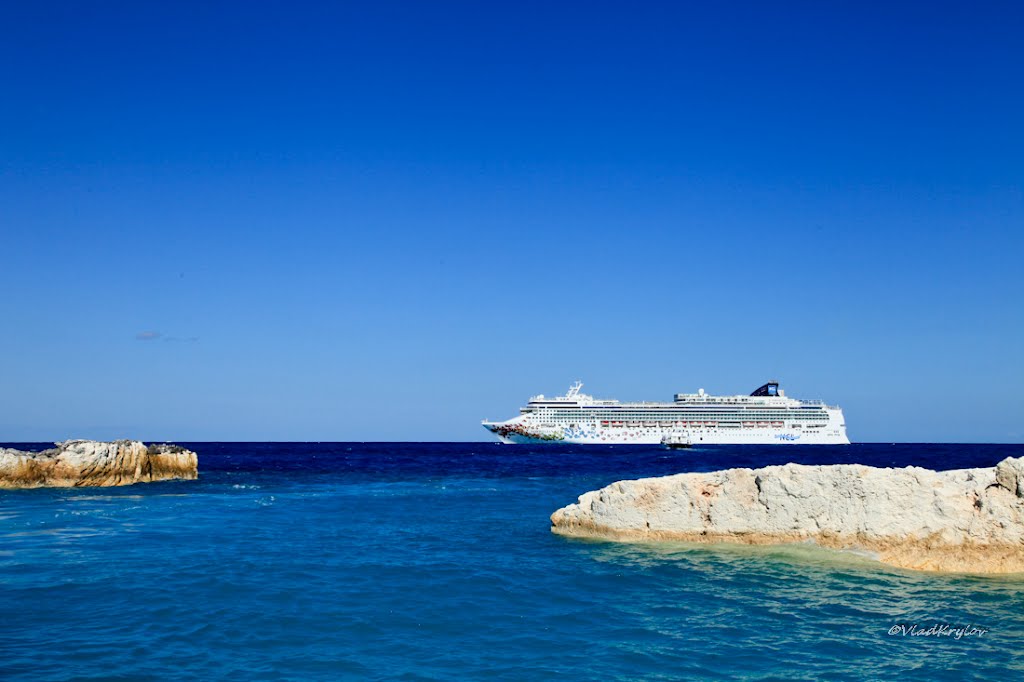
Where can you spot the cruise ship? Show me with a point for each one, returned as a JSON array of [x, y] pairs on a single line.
[[765, 416]]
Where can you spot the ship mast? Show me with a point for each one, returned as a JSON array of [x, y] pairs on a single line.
[[574, 390]]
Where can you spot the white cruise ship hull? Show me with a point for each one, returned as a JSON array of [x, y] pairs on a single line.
[[765, 417], [710, 436]]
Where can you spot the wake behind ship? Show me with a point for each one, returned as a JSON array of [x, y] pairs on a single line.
[[765, 416]]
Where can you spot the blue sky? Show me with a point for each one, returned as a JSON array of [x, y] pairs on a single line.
[[386, 221]]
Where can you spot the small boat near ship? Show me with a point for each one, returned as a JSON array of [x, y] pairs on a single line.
[[676, 440]]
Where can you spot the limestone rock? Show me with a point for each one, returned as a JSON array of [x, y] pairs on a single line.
[[91, 463], [968, 520]]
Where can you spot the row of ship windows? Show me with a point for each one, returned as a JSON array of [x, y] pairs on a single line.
[[665, 408], [729, 425], [672, 413], [637, 423], [719, 417], [690, 417], [677, 417]]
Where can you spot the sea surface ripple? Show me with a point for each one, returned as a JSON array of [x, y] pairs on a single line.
[[427, 561]]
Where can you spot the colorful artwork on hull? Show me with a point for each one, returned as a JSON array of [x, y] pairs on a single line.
[[506, 430], [581, 433]]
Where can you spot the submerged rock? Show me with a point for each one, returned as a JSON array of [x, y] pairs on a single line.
[[92, 463], [968, 520]]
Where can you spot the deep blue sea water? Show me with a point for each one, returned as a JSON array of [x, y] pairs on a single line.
[[435, 562]]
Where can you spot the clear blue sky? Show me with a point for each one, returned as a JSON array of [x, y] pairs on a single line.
[[386, 221]]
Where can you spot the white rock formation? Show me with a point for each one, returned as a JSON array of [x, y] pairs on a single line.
[[91, 463], [969, 520]]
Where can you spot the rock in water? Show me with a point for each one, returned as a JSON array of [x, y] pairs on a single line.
[[92, 463], [968, 520]]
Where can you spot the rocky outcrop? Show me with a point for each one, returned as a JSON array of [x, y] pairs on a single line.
[[968, 520], [90, 463]]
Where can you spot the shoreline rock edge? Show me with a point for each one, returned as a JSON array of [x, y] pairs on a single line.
[[958, 521], [78, 463]]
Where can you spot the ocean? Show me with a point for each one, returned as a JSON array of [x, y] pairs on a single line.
[[434, 561]]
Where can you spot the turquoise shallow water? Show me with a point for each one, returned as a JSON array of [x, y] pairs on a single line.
[[434, 561]]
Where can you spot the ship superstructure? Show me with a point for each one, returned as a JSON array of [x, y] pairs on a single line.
[[765, 416]]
